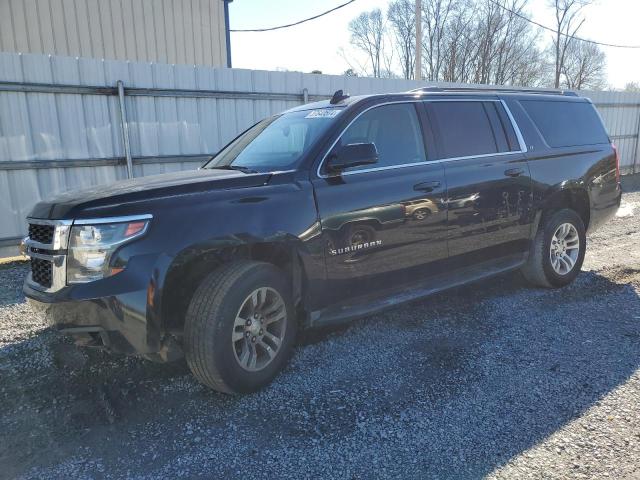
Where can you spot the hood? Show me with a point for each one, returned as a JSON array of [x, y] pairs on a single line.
[[145, 188]]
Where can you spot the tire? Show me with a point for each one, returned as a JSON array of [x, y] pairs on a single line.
[[421, 214], [213, 357], [359, 233], [539, 269]]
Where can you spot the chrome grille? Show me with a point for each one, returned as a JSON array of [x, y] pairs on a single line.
[[41, 233], [42, 271], [46, 245]]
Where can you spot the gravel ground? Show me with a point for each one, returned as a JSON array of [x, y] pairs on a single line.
[[494, 380]]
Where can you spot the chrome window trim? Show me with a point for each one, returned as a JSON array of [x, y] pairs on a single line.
[[103, 220], [516, 128]]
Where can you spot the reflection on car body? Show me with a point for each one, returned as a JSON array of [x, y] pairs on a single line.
[[420, 209]]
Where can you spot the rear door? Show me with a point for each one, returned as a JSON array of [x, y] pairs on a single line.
[[489, 185], [384, 225]]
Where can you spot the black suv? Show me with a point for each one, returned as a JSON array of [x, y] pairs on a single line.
[[326, 212]]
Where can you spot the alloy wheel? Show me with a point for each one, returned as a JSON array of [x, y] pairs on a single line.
[[259, 328], [564, 249]]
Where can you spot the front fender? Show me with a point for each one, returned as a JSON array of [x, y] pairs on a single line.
[[212, 229]]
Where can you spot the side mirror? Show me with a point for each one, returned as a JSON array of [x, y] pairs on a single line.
[[352, 155]]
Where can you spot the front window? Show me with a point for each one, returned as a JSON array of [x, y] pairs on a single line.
[[276, 143], [395, 131]]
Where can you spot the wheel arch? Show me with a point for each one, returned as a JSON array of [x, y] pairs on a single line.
[[575, 197], [189, 268]]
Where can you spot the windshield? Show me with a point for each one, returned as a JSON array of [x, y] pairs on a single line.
[[276, 143]]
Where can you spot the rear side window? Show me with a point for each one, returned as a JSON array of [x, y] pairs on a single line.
[[566, 124], [464, 129]]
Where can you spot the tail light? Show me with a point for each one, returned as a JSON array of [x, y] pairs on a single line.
[[615, 149]]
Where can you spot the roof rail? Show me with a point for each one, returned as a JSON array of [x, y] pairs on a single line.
[[567, 93]]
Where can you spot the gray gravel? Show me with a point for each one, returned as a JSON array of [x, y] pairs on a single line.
[[493, 380]]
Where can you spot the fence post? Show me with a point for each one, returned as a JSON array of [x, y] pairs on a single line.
[[634, 168], [125, 129]]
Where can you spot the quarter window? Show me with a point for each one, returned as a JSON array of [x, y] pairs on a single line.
[[566, 124], [395, 131]]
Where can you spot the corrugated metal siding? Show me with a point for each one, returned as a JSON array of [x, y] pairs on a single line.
[[620, 113], [166, 31], [64, 127]]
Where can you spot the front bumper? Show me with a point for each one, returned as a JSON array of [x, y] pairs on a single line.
[[116, 313], [103, 322]]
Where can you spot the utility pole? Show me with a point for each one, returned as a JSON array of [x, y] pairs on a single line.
[[227, 31], [418, 71]]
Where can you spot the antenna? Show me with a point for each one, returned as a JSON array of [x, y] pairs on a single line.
[[338, 97]]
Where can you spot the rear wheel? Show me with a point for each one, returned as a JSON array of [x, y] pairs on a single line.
[[240, 327], [558, 250]]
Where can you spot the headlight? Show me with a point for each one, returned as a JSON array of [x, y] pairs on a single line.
[[92, 246]]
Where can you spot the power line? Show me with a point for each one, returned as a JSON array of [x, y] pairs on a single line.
[[603, 44], [293, 24]]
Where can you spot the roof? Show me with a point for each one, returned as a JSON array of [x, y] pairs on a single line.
[[326, 104]]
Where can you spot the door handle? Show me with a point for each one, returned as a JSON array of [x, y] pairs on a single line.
[[426, 186], [514, 172]]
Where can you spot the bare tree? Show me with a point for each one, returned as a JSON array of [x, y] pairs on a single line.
[[487, 41], [436, 17], [367, 34], [632, 87], [568, 22], [477, 41], [533, 70], [388, 56], [353, 62], [460, 47], [584, 67], [402, 18]]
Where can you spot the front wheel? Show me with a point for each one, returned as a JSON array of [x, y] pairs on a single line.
[[558, 250], [240, 327]]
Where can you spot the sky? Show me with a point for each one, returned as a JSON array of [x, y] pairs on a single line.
[[315, 45]]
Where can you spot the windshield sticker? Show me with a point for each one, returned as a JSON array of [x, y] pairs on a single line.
[[324, 113]]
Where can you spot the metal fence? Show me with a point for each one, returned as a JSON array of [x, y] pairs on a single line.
[[68, 122]]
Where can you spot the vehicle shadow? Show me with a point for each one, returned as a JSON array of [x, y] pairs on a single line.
[[453, 386]]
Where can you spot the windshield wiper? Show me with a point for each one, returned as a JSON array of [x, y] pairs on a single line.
[[234, 167]]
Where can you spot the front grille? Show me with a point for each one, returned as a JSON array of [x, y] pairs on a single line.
[[42, 271], [41, 233]]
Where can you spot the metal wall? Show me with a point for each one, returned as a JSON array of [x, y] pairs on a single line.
[[167, 31], [61, 128], [620, 112]]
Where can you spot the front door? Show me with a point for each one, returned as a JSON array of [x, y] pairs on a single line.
[[488, 180], [384, 225]]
